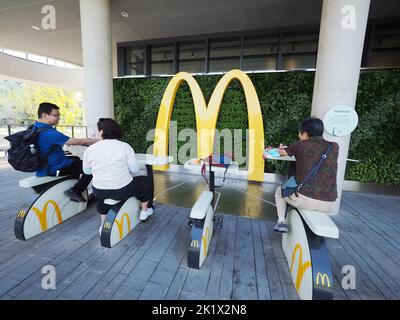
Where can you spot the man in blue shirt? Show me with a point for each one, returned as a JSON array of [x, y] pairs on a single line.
[[50, 144]]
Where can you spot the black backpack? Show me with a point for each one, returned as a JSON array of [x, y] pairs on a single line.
[[24, 153]]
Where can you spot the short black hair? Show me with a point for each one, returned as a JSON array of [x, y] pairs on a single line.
[[111, 129], [46, 107], [313, 126]]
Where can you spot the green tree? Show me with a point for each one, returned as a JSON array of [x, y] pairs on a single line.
[[20, 101]]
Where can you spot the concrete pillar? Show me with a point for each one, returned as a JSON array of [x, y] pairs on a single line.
[[340, 47], [97, 61]]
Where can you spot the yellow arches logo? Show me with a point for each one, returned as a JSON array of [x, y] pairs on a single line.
[[21, 214], [107, 226], [206, 119], [323, 277], [194, 244], [42, 215], [120, 225], [302, 267], [205, 240]]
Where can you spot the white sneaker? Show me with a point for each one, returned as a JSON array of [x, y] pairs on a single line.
[[145, 214]]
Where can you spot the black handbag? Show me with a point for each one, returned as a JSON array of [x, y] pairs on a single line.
[[291, 186]]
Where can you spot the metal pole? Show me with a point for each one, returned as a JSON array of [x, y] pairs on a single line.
[[149, 169], [212, 183]]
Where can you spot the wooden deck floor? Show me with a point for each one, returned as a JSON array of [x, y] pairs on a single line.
[[245, 259]]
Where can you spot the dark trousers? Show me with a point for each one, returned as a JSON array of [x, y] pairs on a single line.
[[75, 169], [140, 188]]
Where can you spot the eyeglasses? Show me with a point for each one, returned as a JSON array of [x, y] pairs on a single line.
[[55, 115]]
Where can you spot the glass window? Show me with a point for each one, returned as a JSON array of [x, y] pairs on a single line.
[[385, 49], [222, 65], [226, 48], [192, 66], [15, 53], [135, 55], [36, 58], [291, 62], [160, 68], [224, 55], [260, 53], [134, 61], [135, 69], [162, 53], [300, 43], [254, 63], [192, 50], [51, 61], [162, 59], [260, 45], [192, 56], [60, 63], [384, 59]]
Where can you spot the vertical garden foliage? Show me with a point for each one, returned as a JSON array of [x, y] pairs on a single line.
[[376, 140], [285, 100]]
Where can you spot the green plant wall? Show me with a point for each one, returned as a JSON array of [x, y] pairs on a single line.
[[285, 100]]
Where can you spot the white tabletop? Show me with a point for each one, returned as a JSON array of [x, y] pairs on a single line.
[[150, 159], [195, 164], [284, 158], [142, 158]]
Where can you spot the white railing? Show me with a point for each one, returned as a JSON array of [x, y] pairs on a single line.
[[71, 131]]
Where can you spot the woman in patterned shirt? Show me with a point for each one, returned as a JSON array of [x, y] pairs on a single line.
[[319, 193]]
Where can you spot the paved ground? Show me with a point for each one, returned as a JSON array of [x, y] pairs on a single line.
[[245, 259]]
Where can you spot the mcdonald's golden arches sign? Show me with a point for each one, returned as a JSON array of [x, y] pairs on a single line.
[[206, 119]]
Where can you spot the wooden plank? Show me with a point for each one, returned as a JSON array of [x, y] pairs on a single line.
[[388, 230], [387, 210], [7, 284], [337, 276], [392, 252], [365, 287], [143, 240], [153, 291], [126, 293], [263, 292], [196, 282], [382, 263], [112, 287], [226, 287], [165, 272], [177, 284], [370, 267], [152, 261], [31, 287], [244, 277], [160, 246], [216, 262], [72, 276], [274, 281]]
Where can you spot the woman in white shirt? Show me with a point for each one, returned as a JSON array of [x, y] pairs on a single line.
[[112, 162]]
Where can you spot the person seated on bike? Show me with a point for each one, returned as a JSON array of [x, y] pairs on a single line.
[[50, 142], [319, 193], [112, 162]]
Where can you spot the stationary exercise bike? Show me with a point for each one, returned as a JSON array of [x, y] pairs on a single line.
[[49, 206], [202, 217]]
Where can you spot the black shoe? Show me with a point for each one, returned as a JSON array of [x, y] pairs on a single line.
[[91, 199], [74, 195]]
